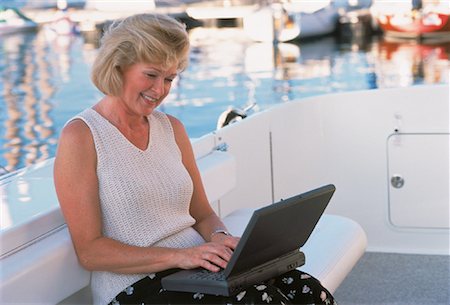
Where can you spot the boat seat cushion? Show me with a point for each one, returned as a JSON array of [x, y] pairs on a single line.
[[333, 249]]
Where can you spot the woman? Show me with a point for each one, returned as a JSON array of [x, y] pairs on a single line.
[[129, 186]]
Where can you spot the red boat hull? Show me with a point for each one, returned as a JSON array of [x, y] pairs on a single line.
[[416, 25]]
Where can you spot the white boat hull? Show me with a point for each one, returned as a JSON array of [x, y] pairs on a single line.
[[13, 21], [358, 141], [276, 24], [350, 139]]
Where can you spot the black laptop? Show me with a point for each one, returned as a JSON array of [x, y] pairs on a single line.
[[269, 246]]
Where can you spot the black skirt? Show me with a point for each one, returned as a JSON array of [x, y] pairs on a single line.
[[293, 287]]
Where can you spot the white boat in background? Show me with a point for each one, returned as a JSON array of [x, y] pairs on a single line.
[[317, 18], [120, 6], [60, 24], [13, 21], [221, 9], [45, 4], [295, 19], [385, 150]]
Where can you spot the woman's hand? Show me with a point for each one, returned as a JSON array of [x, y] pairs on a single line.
[[226, 240], [212, 256]]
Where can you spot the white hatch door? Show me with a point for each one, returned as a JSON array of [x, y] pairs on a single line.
[[418, 178]]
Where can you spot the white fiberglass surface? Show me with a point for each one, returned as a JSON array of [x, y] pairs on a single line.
[[342, 139], [29, 207]]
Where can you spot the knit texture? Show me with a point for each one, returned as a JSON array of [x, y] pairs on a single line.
[[144, 194]]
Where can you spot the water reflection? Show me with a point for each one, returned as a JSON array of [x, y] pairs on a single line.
[[409, 62], [28, 74], [45, 81]]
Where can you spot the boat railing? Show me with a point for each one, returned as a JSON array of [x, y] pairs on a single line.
[[5, 174]]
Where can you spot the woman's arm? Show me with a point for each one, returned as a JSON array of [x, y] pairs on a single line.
[[207, 221]]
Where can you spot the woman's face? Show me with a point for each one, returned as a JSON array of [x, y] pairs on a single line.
[[145, 86]]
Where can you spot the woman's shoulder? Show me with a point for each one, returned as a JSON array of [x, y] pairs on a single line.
[[75, 155], [80, 124], [177, 129], [76, 133], [75, 126], [175, 123]]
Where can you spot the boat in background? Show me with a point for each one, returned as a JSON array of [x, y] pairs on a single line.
[[13, 21], [317, 18], [272, 24], [295, 19], [42, 4], [120, 6], [415, 19], [211, 11], [61, 24]]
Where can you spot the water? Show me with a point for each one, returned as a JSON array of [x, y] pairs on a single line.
[[45, 81]]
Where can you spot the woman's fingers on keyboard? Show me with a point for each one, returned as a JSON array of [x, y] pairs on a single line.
[[217, 255], [210, 256]]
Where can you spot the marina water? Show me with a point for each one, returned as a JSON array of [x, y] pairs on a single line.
[[45, 80]]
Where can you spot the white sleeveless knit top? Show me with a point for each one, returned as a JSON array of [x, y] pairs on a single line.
[[144, 194]]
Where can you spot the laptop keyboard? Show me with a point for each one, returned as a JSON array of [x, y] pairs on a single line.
[[208, 275]]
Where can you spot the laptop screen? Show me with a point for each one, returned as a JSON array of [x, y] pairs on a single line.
[[279, 228]]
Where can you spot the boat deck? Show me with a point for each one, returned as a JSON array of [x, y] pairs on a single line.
[[397, 279]]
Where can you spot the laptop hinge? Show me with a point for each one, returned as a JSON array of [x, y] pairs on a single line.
[[272, 268]]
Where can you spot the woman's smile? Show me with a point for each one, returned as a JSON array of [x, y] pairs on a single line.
[[149, 99]]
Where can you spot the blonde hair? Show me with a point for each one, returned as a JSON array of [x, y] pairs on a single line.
[[142, 38]]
